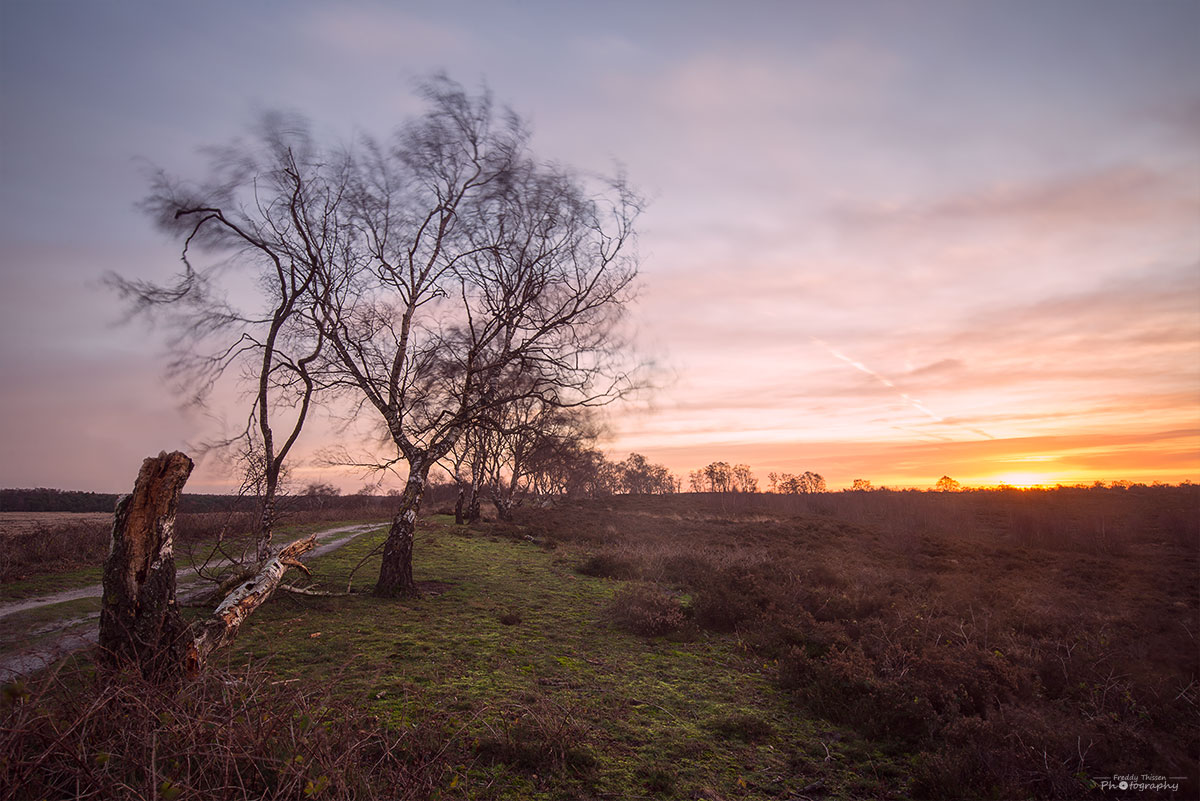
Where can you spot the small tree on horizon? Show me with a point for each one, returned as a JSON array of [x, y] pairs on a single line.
[[947, 484]]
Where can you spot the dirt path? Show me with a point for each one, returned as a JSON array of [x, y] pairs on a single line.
[[66, 634]]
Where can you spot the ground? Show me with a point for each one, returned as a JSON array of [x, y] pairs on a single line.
[[545, 697], [850, 645]]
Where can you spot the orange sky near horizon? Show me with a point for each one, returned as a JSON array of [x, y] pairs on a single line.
[[1168, 457]]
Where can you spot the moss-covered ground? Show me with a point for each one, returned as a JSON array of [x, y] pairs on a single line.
[[540, 696]]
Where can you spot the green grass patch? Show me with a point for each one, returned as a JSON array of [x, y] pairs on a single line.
[[50, 583], [547, 697]]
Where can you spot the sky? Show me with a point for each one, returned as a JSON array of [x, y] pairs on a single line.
[[885, 240]]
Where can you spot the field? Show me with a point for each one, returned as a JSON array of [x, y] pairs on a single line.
[[853, 645], [14, 524]]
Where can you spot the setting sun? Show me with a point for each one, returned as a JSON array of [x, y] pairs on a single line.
[[1024, 480]]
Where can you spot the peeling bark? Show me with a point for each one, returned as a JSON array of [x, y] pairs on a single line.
[[222, 627], [139, 619], [395, 571]]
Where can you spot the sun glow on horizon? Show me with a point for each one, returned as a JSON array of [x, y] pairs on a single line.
[[1023, 480]]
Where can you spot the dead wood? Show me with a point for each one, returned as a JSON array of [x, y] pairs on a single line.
[[139, 619], [222, 626]]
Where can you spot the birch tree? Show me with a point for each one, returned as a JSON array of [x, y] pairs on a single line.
[[479, 276], [437, 276], [256, 219]]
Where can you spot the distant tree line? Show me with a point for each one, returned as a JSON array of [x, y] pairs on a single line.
[[552, 459], [41, 499]]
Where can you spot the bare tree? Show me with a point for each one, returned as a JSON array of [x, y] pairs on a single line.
[[464, 463], [743, 479], [253, 201], [789, 484], [479, 277], [638, 476], [723, 477], [451, 274]]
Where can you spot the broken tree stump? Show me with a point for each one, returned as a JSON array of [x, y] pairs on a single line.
[[139, 620]]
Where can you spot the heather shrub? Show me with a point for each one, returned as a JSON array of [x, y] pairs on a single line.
[[79, 734], [607, 564], [1007, 643], [646, 609], [742, 726], [538, 737], [844, 687], [686, 569], [724, 604]]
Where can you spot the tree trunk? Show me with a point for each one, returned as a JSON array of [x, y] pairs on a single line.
[[266, 523], [458, 504], [395, 572], [139, 621], [503, 508], [473, 513]]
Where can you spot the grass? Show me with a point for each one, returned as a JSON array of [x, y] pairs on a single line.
[[562, 703], [50, 583]]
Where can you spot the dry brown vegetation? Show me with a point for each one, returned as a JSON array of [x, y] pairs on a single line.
[[78, 734], [52, 542], [1010, 643]]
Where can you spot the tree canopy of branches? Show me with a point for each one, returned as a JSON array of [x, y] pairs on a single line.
[[789, 484], [548, 455], [947, 484], [723, 477], [637, 476], [236, 216], [445, 273]]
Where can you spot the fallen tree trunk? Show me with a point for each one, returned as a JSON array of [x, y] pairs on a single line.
[[139, 618], [220, 629]]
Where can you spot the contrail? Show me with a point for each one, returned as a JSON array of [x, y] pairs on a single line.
[[913, 402]]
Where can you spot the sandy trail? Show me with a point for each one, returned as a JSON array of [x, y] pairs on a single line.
[[72, 633]]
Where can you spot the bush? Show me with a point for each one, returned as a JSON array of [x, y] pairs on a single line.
[[844, 687], [607, 564], [62, 545], [646, 609], [722, 605], [537, 738], [742, 726]]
